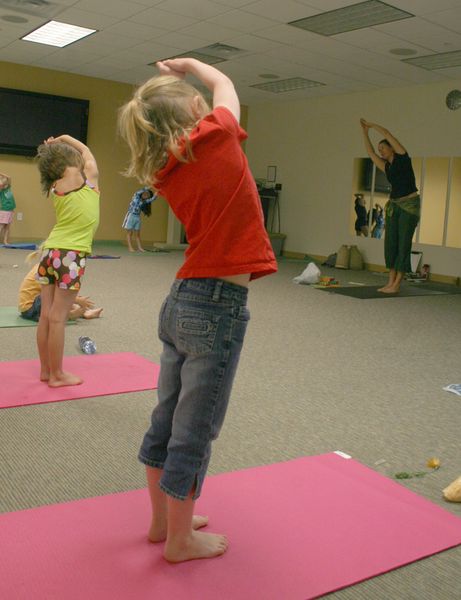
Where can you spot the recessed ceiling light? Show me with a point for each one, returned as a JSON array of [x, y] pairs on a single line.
[[443, 60], [268, 76], [14, 19], [349, 18], [58, 34], [287, 85], [403, 51]]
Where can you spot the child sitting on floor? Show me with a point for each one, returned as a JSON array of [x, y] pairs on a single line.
[[30, 302]]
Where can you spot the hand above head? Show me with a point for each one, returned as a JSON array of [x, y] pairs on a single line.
[[174, 67], [365, 124]]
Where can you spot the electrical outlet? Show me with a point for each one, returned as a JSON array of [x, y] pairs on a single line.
[[19, 216]]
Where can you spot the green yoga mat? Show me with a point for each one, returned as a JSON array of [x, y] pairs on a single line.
[[9, 317], [368, 292]]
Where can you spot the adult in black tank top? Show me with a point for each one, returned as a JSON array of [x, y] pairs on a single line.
[[403, 208]]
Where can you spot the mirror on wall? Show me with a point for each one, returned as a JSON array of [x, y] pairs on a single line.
[[439, 181]]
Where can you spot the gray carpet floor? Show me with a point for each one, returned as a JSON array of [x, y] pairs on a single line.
[[319, 372]]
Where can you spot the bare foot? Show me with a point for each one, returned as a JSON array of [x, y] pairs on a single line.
[[44, 375], [64, 379], [141, 250], [130, 249], [158, 534], [384, 288], [92, 313], [390, 290], [197, 545]]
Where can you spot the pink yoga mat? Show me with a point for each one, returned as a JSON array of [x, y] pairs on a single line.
[[103, 374], [297, 530]]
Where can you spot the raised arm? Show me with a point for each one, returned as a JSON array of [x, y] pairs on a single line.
[[379, 162], [220, 85], [90, 167], [393, 141], [7, 178]]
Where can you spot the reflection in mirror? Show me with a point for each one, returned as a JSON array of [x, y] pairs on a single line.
[[372, 184], [370, 190]]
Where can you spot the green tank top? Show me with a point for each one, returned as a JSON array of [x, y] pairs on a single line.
[[7, 199], [77, 219]]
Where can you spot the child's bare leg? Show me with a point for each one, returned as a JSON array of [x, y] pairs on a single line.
[[128, 241], [159, 525], [76, 311], [47, 295], [137, 235], [6, 231], [58, 315], [183, 542], [92, 313]]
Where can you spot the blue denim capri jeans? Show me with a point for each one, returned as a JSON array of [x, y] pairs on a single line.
[[202, 325]]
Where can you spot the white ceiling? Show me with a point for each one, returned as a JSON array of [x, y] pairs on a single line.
[[132, 34]]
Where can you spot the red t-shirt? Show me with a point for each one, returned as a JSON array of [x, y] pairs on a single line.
[[215, 198]]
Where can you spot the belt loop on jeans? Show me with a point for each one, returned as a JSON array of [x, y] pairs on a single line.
[[217, 290]]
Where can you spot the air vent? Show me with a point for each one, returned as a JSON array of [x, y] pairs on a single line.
[[36, 8], [431, 62], [221, 50], [350, 18], [205, 58], [287, 85]]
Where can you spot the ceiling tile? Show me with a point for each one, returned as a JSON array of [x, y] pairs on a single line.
[[424, 7], [198, 9], [180, 40], [162, 19], [421, 32], [121, 9], [451, 19], [285, 11], [251, 43], [136, 30], [20, 51], [213, 33], [242, 21], [86, 19]]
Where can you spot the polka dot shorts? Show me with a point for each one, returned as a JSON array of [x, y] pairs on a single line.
[[63, 268]]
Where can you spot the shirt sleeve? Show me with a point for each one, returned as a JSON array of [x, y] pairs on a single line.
[[225, 119]]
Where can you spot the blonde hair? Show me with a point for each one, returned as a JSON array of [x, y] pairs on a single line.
[[157, 120], [53, 159], [34, 256]]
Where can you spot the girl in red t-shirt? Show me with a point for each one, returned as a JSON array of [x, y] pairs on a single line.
[[192, 156]]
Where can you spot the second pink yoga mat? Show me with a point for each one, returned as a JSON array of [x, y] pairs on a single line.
[[103, 374], [297, 530]]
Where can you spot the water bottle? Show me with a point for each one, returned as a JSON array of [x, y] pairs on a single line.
[[86, 344]]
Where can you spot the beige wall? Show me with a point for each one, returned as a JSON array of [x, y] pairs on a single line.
[[105, 98], [313, 143]]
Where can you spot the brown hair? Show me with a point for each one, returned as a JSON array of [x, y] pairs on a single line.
[[157, 120], [53, 159]]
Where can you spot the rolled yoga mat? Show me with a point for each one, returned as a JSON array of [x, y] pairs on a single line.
[[102, 374], [297, 530]]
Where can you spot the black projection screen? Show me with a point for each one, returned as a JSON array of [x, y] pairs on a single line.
[[28, 118]]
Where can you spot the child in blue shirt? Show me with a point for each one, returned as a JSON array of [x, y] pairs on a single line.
[[140, 202]]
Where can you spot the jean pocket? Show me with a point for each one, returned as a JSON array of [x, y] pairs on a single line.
[[196, 330]]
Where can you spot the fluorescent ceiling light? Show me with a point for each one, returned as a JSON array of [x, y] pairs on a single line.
[[287, 85], [443, 60], [58, 34], [349, 18]]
